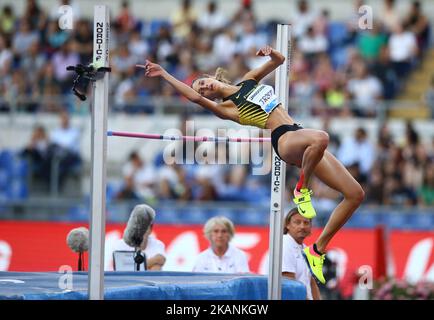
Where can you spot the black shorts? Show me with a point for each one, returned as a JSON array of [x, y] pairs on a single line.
[[279, 131]]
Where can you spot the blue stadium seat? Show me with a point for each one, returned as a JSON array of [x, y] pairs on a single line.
[[337, 34], [159, 160], [364, 220], [397, 220], [78, 213], [169, 215], [338, 57], [228, 213], [154, 26], [421, 221], [252, 216], [4, 180]]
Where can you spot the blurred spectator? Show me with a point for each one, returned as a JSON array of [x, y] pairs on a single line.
[[207, 177], [7, 21], [55, 37], [429, 95], [33, 60], [166, 44], [66, 135], [205, 58], [174, 183], [23, 39], [303, 18], [296, 229], [212, 21], [141, 174], [125, 93], [125, 19], [123, 60], [358, 150], [390, 17], [321, 24], [49, 88], [384, 71], [127, 190], [323, 73], [39, 152], [375, 191], [426, 191], [237, 67], [221, 256], [36, 17], [67, 140], [250, 38], [366, 90], [83, 41], [371, 42], [224, 46], [336, 98], [183, 19], [311, 44], [245, 13], [303, 91], [153, 248], [63, 58], [19, 93], [137, 46], [403, 49], [418, 23], [6, 57]]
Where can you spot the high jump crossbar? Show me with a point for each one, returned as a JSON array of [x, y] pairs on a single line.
[[186, 138]]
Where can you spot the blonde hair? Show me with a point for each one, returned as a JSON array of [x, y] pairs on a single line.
[[219, 220], [220, 75]]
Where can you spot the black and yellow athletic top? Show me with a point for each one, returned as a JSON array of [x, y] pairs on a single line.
[[255, 102]]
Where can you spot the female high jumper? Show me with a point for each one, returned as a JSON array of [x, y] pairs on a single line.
[[251, 103]]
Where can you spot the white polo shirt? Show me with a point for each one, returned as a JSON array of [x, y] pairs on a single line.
[[153, 247], [233, 261], [293, 261]]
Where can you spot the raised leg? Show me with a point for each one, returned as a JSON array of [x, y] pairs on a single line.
[[330, 171]]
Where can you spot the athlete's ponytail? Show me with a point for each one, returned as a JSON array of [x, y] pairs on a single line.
[[221, 74]]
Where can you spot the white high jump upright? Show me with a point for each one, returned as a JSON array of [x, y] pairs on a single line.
[[283, 45], [101, 36]]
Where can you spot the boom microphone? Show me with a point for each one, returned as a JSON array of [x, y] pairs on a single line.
[[78, 241], [139, 222]]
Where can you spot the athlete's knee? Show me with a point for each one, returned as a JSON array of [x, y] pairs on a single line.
[[355, 194], [321, 140]]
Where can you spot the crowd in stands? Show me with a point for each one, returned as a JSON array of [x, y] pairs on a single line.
[[337, 67]]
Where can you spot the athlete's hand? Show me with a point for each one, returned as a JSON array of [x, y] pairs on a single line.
[[264, 51], [151, 69]]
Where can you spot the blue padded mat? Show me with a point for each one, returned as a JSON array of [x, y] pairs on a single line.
[[151, 285]]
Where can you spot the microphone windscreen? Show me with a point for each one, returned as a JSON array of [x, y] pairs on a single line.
[[139, 222], [78, 239]]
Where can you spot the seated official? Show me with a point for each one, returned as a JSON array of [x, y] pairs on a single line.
[[221, 256]]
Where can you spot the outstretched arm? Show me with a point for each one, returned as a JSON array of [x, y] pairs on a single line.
[[155, 70], [276, 60]]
